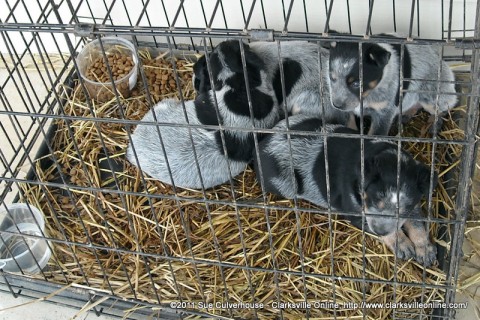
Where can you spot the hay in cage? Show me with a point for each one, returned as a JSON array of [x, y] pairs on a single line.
[[101, 241]]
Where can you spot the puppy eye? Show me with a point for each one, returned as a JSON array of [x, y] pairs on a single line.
[[355, 84]]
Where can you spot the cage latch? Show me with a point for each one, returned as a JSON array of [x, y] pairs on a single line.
[[84, 29], [261, 34]]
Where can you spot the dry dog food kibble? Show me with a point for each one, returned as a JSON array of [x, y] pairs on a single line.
[[97, 71], [120, 66], [161, 78]]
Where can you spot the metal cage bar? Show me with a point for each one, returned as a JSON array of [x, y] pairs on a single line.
[[173, 30]]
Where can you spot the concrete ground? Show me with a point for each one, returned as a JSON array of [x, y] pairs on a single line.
[[469, 285], [22, 307], [28, 309]]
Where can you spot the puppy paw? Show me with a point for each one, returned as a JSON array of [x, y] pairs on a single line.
[[426, 254], [425, 251], [400, 244], [405, 249]]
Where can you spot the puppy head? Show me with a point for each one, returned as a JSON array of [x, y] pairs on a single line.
[[381, 194], [225, 63], [344, 70]]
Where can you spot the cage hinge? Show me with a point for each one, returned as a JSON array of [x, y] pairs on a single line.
[[467, 43], [84, 29], [261, 34]]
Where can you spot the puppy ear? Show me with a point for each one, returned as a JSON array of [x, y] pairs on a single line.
[[328, 44], [252, 59], [233, 56], [331, 44], [333, 31], [423, 179], [377, 55], [199, 66]]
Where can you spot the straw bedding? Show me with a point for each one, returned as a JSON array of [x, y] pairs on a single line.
[[187, 228]]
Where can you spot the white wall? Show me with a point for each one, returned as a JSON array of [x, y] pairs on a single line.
[[431, 24]]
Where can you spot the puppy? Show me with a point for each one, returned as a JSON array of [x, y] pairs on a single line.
[[226, 105], [381, 81], [304, 175], [146, 146], [305, 78]]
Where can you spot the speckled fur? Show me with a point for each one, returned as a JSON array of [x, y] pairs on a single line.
[[178, 148], [305, 90], [227, 105], [380, 99], [303, 175]]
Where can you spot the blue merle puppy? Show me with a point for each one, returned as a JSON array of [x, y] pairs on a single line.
[[213, 158], [381, 81], [304, 175], [305, 78]]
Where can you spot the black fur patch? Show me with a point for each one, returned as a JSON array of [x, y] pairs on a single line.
[[197, 84], [237, 81], [292, 71], [270, 168], [238, 149], [230, 49], [311, 124], [231, 53], [237, 102], [299, 181], [367, 122], [202, 80], [205, 110], [262, 104], [343, 155], [406, 68]]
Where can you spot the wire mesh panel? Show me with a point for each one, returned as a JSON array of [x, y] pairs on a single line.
[[244, 159]]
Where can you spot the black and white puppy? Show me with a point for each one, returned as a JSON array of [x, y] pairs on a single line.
[[381, 81], [230, 95], [304, 175], [305, 78]]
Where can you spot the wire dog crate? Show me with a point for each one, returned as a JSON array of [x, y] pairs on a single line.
[[232, 251]]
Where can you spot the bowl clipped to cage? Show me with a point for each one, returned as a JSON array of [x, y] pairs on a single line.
[[233, 250]]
